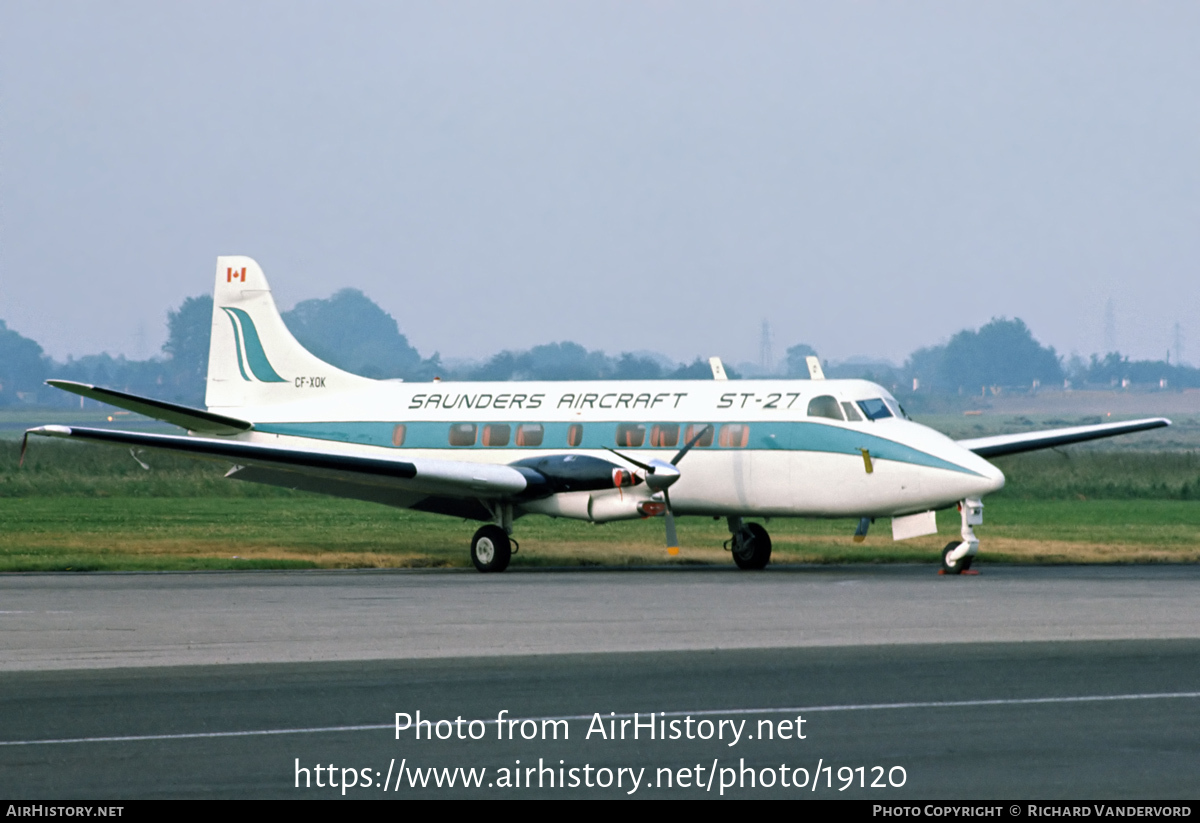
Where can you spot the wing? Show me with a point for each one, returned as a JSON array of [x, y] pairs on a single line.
[[197, 420], [385, 479], [1003, 444]]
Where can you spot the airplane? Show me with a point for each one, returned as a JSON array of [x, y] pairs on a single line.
[[588, 450]]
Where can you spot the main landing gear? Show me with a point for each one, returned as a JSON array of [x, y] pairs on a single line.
[[958, 554], [492, 547], [750, 544]]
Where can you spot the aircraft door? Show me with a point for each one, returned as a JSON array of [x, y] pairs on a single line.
[[767, 468]]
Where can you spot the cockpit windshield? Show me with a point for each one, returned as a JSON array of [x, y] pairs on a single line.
[[874, 409]]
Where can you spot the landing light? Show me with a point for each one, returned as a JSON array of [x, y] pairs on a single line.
[[651, 508]]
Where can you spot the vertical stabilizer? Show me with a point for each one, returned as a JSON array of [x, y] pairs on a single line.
[[253, 360]]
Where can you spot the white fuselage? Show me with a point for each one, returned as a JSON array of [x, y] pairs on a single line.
[[770, 454]]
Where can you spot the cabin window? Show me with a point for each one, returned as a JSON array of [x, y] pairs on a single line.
[[574, 434], [734, 436], [530, 434], [825, 406], [496, 434], [631, 435], [462, 434], [851, 413], [703, 430], [664, 435], [874, 409], [398, 435]]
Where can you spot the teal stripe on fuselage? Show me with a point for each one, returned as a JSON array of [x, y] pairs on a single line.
[[764, 436]]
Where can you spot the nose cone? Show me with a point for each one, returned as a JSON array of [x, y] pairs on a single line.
[[994, 477], [986, 478]]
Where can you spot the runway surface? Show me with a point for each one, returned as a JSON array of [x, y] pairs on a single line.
[[1020, 683], [115, 620]]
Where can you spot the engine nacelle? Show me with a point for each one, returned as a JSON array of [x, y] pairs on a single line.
[[597, 506]]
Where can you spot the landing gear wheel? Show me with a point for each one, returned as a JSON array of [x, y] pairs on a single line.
[[960, 565], [752, 547], [491, 549]]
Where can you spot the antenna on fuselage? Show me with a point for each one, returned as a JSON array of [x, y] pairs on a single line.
[[718, 368], [814, 368]]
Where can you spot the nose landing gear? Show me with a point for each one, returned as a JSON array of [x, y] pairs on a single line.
[[957, 556]]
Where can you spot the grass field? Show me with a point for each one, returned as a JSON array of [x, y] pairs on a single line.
[[80, 507], [86, 534]]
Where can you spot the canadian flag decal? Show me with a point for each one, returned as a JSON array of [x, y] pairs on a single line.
[[231, 275]]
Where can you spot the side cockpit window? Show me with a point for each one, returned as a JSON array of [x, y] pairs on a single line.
[[851, 412], [896, 408], [825, 406]]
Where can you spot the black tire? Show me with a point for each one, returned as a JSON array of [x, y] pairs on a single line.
[[491, 549], [752, 547], [960, 566]]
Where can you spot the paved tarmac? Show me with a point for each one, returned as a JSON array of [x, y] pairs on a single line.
[[1143, 747], [1035, 682], [58, 621]]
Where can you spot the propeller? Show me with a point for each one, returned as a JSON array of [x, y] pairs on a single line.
[[660, 475]]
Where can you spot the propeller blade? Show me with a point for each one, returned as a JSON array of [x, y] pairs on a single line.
[[675, 460], [860, 533], [672, 537], [642, 466], [24, 444]]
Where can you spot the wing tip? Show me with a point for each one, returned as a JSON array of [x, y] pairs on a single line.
[[52, 431]]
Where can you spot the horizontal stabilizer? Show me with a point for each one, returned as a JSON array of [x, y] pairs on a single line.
[[197, 420], [1003, 444], [444, 477]]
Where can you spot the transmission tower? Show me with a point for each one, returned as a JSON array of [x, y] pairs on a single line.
[[1110, 327], [766, 358]]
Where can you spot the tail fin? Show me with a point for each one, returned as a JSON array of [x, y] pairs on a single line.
[[253, 360]]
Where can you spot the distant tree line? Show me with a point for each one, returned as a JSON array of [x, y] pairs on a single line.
[[348, 330], [1003, 355], [353, 333]]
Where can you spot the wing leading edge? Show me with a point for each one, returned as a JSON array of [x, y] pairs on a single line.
[[1002, 444], [418, 476], [197, 420]]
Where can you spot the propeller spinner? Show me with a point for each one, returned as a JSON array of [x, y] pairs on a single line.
[[660, 475]]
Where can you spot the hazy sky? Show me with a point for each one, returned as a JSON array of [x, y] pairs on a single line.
[[869, 177]]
